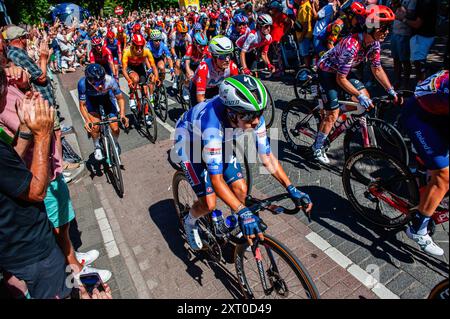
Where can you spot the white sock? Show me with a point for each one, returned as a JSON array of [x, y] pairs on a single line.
[[191, 219]]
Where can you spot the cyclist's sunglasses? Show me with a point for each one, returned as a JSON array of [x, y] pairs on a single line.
[[249, 117], [384, 28], [223, 57], [242, 24], [156, 40]]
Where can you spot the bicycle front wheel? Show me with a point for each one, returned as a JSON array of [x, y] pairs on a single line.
[[302, 87], [285, 275], [380, 188], [114, 167], [161, 102], [269, 112], [150, 128]]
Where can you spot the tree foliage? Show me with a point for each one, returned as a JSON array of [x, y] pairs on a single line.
[[32, 11]]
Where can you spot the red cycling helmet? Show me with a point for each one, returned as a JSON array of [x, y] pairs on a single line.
[[378, 15], [138, 40], [110, 35], [119, 29], [137, 27], [358, 8], [97, 41], [214, 15]]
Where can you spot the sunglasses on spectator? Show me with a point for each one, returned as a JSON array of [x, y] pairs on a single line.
[[223, 57]]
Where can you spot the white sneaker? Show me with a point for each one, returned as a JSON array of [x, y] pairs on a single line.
[[105, 275], [98, 154], [425, 242], [185, 94], [132, 104], [88, 257], [321, 156]]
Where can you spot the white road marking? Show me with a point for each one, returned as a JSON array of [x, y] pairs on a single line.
[[107, 233], [363, 276]]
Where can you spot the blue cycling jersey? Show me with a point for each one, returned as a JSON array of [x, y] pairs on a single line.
[[233, 34], [86, 90], [205, 127], [157, 52], [113, 47]]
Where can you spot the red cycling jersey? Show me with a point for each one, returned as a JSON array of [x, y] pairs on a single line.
[[194, 55], [253, 40], [105, 57], [207, 77]]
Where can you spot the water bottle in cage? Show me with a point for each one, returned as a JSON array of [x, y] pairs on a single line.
[[219, 223]]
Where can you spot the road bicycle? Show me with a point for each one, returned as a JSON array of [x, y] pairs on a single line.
[[161, 101], [267, 269], [110, 150], [143, 105], [300, 122], [185, 104], [383, 189]]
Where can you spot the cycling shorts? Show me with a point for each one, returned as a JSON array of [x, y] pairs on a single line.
[[180, 51], [332, 89], [109, 105], [161, 58], [199, 179], [428, 133], [140, 69]]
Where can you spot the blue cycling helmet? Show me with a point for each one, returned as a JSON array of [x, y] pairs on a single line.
[[197, 27], [95, 73], [200, 39], [240, 18], [276, 5]]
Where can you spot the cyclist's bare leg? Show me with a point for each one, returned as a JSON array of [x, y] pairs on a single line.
[[434, 192], [162, 70], [240, 189], [115, 130], [204, 205], [95, 130]]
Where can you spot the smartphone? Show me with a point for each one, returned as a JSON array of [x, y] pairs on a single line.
[[92, 281]]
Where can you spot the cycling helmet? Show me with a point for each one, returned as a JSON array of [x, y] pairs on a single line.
[[243, 94], [147, 26], [155, 35], [119, 29], [97, 41], [136, 27], [110, 35], [351, 9], [138, 40], [197, 27], [95, 73], [200, 39], [264, 19], [181, 28], [220, 45], [276, 5], [214, 15], [378, 16], [240, 18]]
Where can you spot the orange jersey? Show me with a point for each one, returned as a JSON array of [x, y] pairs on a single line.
[[131, 58]]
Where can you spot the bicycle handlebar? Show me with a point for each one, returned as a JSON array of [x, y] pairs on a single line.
[[255, 205]]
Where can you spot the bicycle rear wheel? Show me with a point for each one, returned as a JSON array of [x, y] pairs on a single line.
[[302, 88], [114, 166], [161, 103], [371, 175], [151, 130], [299, 125], [269, 112], [286, 277]]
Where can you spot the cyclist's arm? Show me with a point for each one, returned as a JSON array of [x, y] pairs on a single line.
[[125, 68], [201, 82], [381, 76], [272, 164], [121, 101], [344, 83], [91, 57], [224, 192], [84, 112], [150, 63], [265, 57], [243, 61]]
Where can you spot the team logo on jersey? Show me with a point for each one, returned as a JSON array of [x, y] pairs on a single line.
[[190, 173]]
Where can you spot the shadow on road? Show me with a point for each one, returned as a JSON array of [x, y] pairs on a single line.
[[164, 216], [384, 244]]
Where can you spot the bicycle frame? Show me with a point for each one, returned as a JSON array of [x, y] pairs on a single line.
[[106, 132]]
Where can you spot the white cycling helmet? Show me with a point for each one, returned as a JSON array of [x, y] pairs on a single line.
[[243, 94], [264, 19], [220, 45]]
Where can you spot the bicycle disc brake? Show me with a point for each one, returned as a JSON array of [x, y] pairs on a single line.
[[210, 245]]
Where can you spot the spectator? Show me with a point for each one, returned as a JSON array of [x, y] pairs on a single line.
[[306, 14], [400, 38], [28, 249], [324, 17], [424, 29]]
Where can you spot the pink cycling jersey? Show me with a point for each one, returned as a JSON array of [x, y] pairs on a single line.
[[253, 40], [348, 53]]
